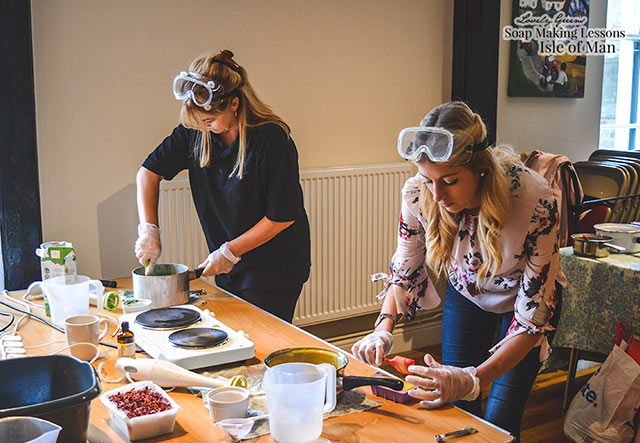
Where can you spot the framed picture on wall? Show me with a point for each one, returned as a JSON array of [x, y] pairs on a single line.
[[545, 61]]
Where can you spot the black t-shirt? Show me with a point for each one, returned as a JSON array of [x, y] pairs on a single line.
[[228, 207]]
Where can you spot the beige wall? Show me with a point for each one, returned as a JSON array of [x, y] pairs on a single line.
[[560, 125], [347, 76]]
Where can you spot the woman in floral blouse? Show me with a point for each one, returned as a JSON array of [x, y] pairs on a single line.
[[491, 224]]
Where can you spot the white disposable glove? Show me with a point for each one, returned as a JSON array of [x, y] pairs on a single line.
[[439, 384], [148, 246], [373, 347], [220, 261]]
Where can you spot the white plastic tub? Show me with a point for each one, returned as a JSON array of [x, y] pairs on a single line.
[[145, 426]]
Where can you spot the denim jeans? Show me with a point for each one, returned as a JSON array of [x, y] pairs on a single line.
[[468, 332]]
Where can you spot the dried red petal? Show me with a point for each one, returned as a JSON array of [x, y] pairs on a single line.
[[138, 402]]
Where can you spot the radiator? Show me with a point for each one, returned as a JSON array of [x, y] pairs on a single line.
[[353, 214]]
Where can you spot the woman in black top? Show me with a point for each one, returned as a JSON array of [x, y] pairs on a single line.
[[243, 171]]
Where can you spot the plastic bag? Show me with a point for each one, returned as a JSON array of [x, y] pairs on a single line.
[[605, 408]]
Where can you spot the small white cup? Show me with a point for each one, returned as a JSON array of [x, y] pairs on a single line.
[[84, 328], [227, 402]]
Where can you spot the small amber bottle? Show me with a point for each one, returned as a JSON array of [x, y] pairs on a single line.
[[126, 344]]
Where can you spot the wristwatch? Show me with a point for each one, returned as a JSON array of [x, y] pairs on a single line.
[[384, 315]]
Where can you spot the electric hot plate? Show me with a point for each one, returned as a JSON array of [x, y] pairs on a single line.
[[188, 336]]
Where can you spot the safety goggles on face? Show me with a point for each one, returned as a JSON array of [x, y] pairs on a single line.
[[436, 143], [200, 89]]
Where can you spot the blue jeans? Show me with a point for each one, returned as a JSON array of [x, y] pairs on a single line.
[[468, 332]]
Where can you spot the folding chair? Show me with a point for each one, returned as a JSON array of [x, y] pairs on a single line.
[[600, 180]]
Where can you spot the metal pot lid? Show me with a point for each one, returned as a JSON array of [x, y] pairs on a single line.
[[618, 228], [168, 318], [198, 338]]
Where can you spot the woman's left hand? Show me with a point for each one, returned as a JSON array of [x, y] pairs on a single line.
[[215, 264], [437, 385]]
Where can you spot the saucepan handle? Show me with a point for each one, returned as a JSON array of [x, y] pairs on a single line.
[[195, 273], [616, 247], [351, 382]]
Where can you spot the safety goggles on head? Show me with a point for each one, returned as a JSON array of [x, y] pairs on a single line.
[[200, 89], [436, 143]]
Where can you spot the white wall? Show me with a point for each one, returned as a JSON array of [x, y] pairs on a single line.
[[565, 126], [347, 76]]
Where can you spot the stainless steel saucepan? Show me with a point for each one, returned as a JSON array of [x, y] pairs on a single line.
[[168, 284], [623, 234], [594, 246]]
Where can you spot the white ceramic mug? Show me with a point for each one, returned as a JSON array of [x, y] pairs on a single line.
[[227, 402], [85, 328], [69, 295]]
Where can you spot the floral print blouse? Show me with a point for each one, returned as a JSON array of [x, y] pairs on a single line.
[[525, 282]]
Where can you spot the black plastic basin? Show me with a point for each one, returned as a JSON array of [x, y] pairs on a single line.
[[57, 388]]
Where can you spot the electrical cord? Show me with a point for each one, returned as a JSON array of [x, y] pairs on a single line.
[[7, 314], [25, 318], [94, 358], [57, 328], [31, 314], [103, 375], [26, 300], [41, 345]]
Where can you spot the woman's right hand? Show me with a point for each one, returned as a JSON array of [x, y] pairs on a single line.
[[374, 347], [148, 245]]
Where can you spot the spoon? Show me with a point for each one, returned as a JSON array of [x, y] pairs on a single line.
[[239, 427]]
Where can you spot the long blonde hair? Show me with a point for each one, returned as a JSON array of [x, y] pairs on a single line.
[[251, 111], [492, 163]]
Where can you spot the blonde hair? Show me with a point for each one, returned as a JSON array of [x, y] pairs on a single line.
[[468, 128], [251, 111]]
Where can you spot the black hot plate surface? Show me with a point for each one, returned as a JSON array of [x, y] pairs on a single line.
[[168, 318], [198, 338]]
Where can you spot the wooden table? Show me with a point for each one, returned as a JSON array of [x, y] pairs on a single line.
[[389, 422]]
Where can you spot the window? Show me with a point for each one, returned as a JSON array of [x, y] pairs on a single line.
[[619, 124]]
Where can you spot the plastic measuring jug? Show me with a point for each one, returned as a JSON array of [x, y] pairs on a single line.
[[298, 394], [29, 430], [69, 295]]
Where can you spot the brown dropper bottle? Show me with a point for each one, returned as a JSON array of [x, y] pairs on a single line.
[[126, 343]]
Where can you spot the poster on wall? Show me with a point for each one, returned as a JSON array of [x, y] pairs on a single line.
[[548, 52]]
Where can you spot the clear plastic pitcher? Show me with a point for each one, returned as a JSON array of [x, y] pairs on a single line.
[[298, 394], [28, 429], [69, 295]]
